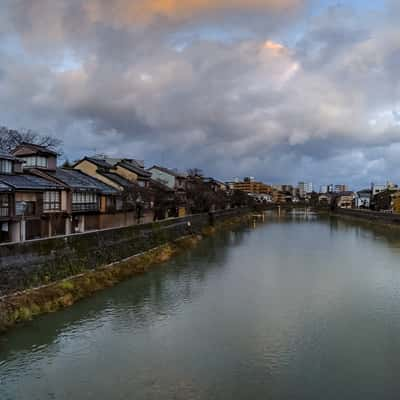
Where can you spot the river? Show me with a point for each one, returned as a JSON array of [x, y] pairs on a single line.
[[296, 308]]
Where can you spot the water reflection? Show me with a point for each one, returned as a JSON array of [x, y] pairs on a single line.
[[298, 308], [138, 301]]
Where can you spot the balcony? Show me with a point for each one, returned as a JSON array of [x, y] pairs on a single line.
[[4, 211], [85, 207], [51, 206]]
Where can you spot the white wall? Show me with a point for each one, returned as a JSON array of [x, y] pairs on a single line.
[[163, 177]]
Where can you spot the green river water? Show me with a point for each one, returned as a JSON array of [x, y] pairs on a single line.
[[297, 308]]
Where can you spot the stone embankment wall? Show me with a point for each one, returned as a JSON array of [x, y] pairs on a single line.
[[37, 262], [371, 216]]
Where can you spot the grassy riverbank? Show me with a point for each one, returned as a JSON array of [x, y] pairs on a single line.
[[23, 306]]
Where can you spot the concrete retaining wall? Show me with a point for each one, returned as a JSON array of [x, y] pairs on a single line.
[[33, 263], [372, 216]]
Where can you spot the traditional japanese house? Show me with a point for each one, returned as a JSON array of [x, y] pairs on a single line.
[[174, 180], [30, 206], [90, 203], [5, 212], [128, 177], [130, 169], [164, 201], [35, 208], [35, 156]]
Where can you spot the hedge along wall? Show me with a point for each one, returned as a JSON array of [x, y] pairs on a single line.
[[33, 263]]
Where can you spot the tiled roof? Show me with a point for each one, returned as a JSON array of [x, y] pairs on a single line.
[[138, 163], [26, 149], [120, 180], [109, 163], [168, 171], [4, 188], [78, 180], [135, 168], [114, 160], [7, 156], [158, 185], [99, 162], [28, 182], [347, 193]]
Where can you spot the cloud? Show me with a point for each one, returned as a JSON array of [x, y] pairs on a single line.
[[127, 12], [44, 24], [261, 103]]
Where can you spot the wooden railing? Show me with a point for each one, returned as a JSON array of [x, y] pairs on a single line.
[[85, 207]]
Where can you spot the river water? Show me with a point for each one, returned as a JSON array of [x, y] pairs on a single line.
[[296, 308]]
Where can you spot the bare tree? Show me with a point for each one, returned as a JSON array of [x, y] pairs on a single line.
[[11, 138], [66, 164], [241, 199], [165, 200], [195, 172], [203, 196]]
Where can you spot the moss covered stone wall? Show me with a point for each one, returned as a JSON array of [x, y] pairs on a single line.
[[34, 263]]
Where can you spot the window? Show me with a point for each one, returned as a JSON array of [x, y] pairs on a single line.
[[110, 203], [5, 166], [51, 201], [35, 161], [26, 208], [84, 201], [4, 205], [119, 204], [114, 203]]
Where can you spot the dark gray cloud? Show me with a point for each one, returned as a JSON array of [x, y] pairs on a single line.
[[210, 89]]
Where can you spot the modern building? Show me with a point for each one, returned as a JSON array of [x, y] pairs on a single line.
[[251, 186], [278, 197], [377, 188], [323, 189], [341, 188], [363, 198], [387, 200], [345, 200], [305, 188], [326, 199], [263, 198]]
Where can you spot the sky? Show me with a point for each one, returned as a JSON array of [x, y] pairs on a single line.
[[282, 90]]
